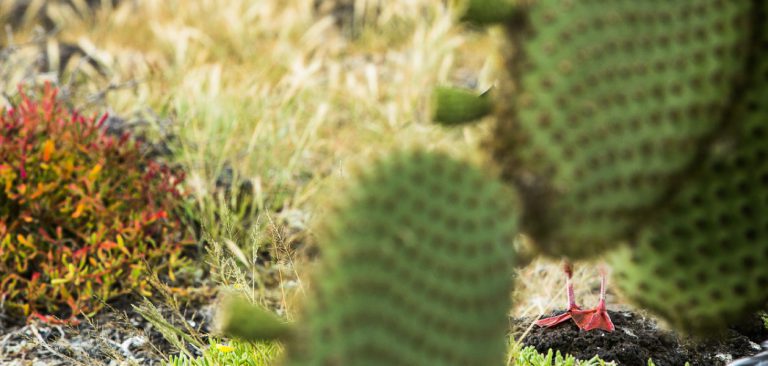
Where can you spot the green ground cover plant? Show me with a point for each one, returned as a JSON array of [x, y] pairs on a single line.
[[231, 353], [764, 317], [528, 356], [259, 354]]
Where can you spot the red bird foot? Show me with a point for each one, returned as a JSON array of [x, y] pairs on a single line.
[[557, 319], [587, 320], [572, 307], [596, 318]]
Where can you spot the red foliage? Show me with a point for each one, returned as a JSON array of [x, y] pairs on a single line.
[[82, 212]]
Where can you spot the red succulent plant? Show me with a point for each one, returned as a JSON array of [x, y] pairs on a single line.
[[82, 212]]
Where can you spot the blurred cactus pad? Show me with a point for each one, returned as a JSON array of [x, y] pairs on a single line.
[[704, 261], [640, 122], [82, 212], [416, 269], [604, 106]]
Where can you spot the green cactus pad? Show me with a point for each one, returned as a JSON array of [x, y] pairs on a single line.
[[415, 269], [455, 106], [606, 104], [704, 262]]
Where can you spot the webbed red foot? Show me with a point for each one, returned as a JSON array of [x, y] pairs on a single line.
[[596, 318], [572, 307], [555, 320], [587, 320]]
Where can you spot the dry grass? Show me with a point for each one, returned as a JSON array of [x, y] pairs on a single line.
[[273, 93], [281, 97]]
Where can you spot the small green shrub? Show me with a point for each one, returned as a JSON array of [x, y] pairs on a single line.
[[235, 353], [764, 316], [528, 356], [82, 213]]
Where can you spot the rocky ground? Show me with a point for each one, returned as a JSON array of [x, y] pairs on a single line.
[[638, 338], [123, 337], [119, 336]]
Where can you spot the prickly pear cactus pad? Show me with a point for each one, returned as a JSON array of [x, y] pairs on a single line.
[[606, 104], [456, 106], [415, 270], [704, 262]]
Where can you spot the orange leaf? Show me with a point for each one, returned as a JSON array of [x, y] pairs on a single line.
[[24, 241], [48, 149], [107, 245], [38, 192], [80, 252], [94, 173], [78, 210]]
